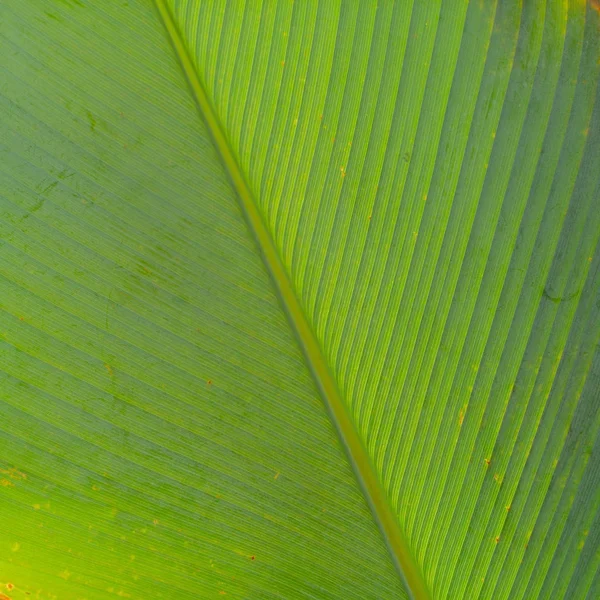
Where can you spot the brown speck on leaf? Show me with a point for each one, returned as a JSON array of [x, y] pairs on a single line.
[[109, 369], [10, 586], [487, 462], [343, 171], [155, 522], [209, 382], [497, 539], [507, 508], [21, 318], [222, 593], [253, 557]]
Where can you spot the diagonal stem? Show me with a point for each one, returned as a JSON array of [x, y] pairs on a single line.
[[357, 455]]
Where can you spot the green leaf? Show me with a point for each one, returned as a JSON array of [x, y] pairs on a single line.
[[299, 299]]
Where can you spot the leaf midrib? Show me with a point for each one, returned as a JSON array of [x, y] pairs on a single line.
[[357, 455]]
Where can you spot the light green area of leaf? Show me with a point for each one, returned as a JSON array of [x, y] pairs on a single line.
[[299, 300]]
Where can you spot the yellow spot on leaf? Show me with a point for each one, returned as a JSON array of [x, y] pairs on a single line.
[[13, 473]]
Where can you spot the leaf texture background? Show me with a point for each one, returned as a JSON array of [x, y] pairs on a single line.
[[429, 173]]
